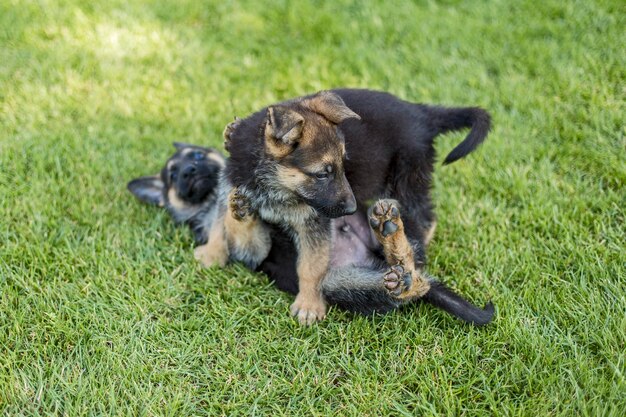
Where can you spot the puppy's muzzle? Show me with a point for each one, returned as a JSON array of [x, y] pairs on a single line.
[[347, 205]]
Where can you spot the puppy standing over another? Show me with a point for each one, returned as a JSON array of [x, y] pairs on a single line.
[[364, 284], [293, 167]]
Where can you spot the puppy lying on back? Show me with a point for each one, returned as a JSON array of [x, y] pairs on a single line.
[[187, 187]]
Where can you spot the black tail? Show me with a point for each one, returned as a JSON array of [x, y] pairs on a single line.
[[443, 297], [447, 119]]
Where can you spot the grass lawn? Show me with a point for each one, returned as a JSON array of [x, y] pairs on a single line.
[[103, 309]]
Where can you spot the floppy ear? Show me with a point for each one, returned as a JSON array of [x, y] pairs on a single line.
[[283, 130], [331, 106], [148, 190]]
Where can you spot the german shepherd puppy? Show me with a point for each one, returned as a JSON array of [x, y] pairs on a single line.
[[355, 287], [332, 172], [187, 187]]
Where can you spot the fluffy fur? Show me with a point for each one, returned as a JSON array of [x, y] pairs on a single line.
[[374, 147]]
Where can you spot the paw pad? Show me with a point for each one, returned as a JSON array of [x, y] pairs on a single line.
[[384, 218], [397, 280], [239, 205]]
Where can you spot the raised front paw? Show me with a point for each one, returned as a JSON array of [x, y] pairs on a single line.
[[211, 255], [384, 218], [229, 129], [309, 309], [239, 205]]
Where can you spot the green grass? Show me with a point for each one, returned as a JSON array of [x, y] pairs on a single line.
[[104, 311]]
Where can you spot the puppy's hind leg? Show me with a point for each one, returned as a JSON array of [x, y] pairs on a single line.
[[359, 290], [403, 280]]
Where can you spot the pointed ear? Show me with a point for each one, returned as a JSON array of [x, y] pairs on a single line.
[[148, 190], [181, 145], [331, 106], [284, 125]]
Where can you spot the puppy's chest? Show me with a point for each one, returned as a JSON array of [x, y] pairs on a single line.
[[293, 216]]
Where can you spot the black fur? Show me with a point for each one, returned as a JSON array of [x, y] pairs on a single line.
[[443, 297], [390, 154]]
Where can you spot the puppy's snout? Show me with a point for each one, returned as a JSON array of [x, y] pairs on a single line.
[[348, 204], [214, 169], [188, 171]]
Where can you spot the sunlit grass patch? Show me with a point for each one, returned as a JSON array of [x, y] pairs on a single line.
[[104, 311]]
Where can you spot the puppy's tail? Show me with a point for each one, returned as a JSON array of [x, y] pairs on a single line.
[[444, 119], [443, 297]]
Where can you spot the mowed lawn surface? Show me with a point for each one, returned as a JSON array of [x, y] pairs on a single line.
[[103, 309]]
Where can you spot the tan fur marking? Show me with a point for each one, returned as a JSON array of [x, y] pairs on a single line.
[[312, 127], [175, 201], [331, 106], [309, 305], [325, 160], [243, 233], [290, 178], [398, 251], [215, 251], [283, 129], [215, 157], [273, 147]]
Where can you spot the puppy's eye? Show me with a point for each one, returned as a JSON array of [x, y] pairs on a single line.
[[197, 156], [321, 175], [328, 170]]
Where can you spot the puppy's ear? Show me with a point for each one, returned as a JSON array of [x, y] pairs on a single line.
[[331, 106], [181, 145], [148, 190], [283, 130]]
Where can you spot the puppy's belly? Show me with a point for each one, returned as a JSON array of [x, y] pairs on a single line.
[[353, 242]]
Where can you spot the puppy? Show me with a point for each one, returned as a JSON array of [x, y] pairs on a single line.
[[365, 284], [187, 187], [311, 168]]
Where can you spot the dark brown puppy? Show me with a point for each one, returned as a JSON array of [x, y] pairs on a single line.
[[312, 166]]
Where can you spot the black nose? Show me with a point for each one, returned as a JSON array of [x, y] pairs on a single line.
[[188, 171], [348, 205]]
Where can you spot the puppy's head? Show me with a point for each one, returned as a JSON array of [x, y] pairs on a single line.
[[185, 183], [303, 140]]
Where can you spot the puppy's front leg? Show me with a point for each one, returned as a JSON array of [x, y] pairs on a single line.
[[215, 251], [248, 237], [313, 260]]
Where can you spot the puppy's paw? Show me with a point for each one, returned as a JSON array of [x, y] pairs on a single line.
[[397, 281], [230, 128], [239, 205], [404, 283], [209, 256], [384, 218], [309, 309]]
